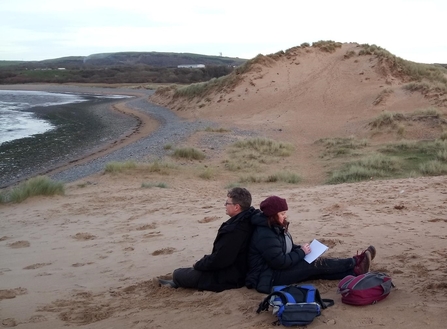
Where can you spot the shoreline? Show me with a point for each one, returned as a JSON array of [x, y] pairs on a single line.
[[159, 127], [111, 112], [144, 127]]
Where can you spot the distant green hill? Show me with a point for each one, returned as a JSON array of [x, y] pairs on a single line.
[[155, 59], [123, 67]]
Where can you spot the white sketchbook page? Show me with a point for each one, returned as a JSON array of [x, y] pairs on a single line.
[[317, 249]]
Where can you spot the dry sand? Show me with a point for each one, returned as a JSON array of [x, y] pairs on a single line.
[[90, 258]]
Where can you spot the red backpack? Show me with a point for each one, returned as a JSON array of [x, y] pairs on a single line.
[[364, 289]]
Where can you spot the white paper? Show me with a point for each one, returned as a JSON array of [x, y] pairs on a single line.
[[317, 249]]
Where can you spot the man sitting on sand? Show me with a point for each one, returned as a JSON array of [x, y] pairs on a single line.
[[226, 266]]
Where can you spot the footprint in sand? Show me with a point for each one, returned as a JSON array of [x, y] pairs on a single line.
[[37, 318], [81, 264], [437, 220], [146, 227], [9, 322], [12, 293], [366, 321], [436, 286], [43, 274], [164, 251], [20, 244], [84, 236], [37, 265], [331, 243], [208, 219], [152, 234], [2, 270]]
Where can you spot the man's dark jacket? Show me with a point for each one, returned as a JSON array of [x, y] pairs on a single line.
[[227, 265]]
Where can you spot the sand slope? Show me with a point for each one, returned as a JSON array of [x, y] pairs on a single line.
[[306, 94]]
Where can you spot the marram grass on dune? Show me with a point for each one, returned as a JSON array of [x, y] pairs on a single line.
[[39, 185]]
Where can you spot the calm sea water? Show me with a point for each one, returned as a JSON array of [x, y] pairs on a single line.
[[16, 122]]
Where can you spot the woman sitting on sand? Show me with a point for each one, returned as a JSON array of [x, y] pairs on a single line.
[[275, 260]]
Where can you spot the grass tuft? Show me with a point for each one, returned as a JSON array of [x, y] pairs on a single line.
[[335, 147], [349, 54], [422, 147], [217, 130], [241, 164], [442, 155], [207, 173], [433, 168], [393, 120], [284, 176], [3, 197], [160, 167], [251, 179], [373, 166], [265, 146], [327, 45], [383, 95], [387, 119], [150, 185], [40, 185], [415, 71], [189, 153], [424, 87], [117, 167], [429, 112]]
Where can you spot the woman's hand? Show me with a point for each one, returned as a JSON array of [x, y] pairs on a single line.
[[306, 248]]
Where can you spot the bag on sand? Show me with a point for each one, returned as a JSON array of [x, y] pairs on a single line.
[[365, 289], [295, 304]]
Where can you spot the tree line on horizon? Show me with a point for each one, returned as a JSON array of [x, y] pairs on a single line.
[[120, 74], [131, 67]]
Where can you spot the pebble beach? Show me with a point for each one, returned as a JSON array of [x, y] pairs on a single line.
[[86, 128]]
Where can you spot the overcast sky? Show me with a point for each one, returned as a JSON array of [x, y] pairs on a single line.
[[46, 29]]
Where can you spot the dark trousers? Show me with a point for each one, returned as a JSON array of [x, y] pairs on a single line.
[[322, 268], [186, 277]]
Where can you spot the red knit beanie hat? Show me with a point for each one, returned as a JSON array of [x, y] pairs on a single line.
[[273, 205]]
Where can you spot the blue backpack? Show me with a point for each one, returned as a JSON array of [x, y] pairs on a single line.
[[295, 305]]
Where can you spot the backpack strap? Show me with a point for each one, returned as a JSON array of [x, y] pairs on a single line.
[[386, 286], [324, 302], [284, 296], [311, 293]]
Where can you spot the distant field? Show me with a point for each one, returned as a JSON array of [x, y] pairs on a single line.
[[9, 63]]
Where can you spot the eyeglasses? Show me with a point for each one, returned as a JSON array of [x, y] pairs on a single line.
[[227, 203]]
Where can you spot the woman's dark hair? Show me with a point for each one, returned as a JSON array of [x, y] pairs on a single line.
[[240, 196], [274, 221]]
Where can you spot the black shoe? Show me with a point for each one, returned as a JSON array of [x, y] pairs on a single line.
[[167, 283]]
